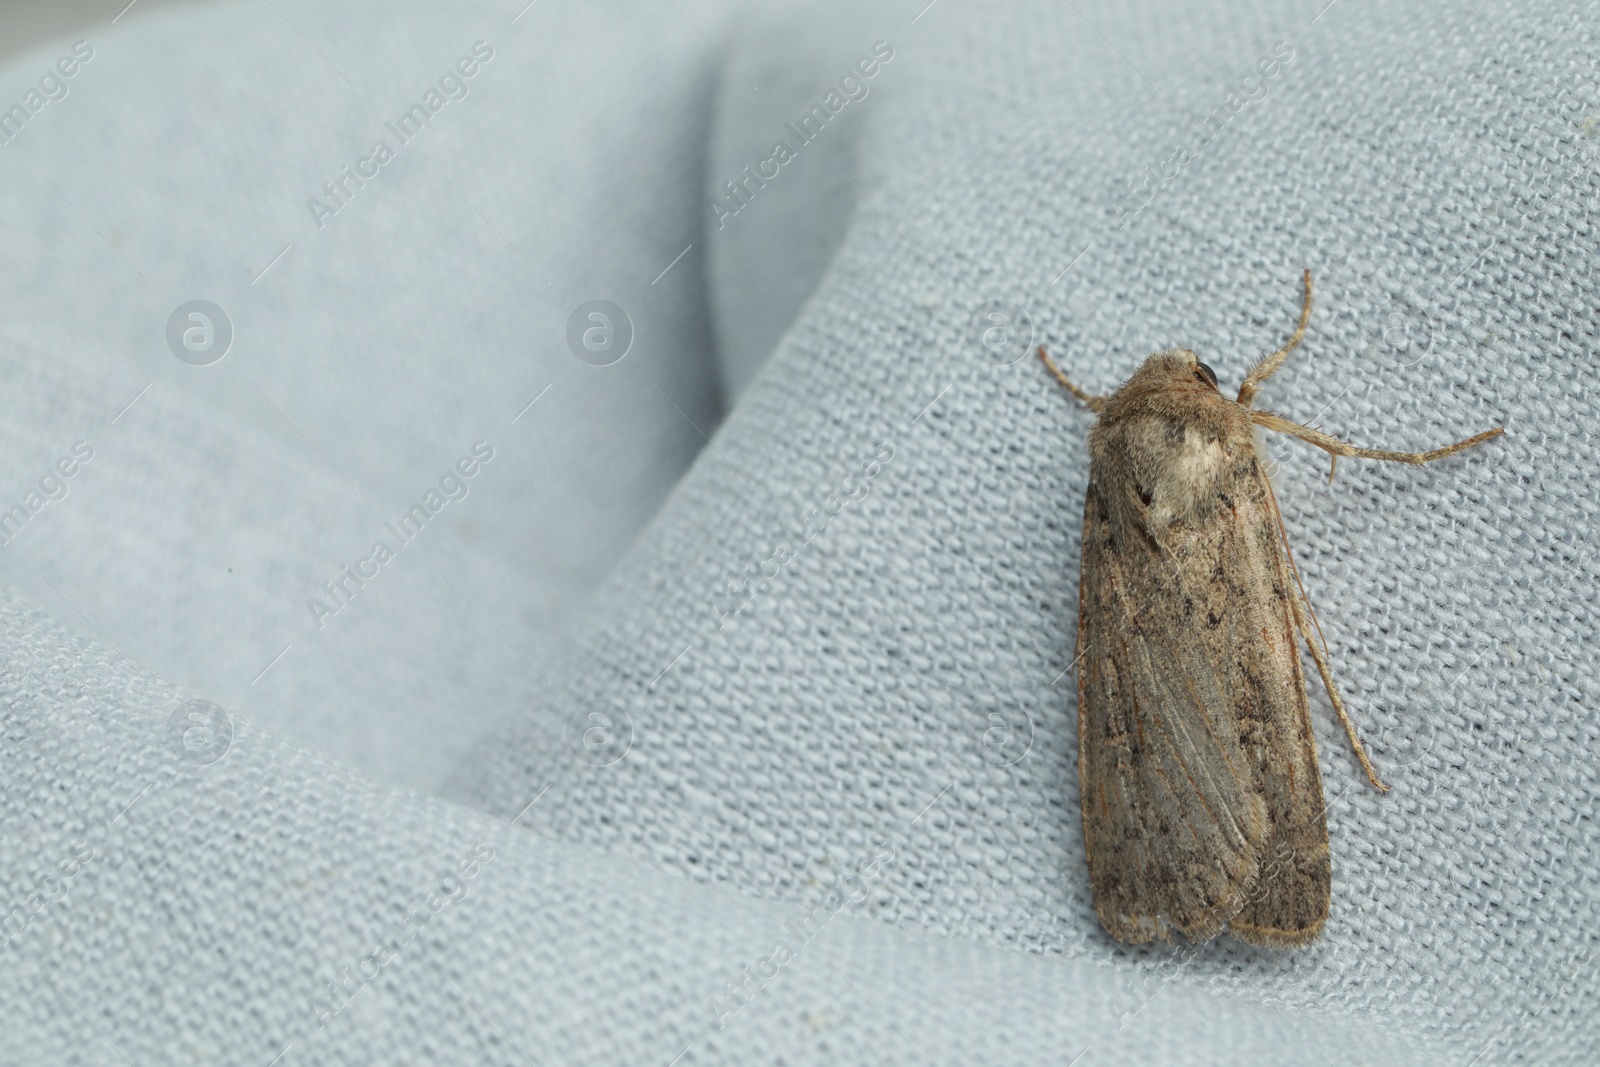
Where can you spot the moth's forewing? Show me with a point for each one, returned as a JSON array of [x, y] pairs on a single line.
[[1198, 780], [1290, 901], [1173, 819]]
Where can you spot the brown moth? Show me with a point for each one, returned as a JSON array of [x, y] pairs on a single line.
[[1197, 771]]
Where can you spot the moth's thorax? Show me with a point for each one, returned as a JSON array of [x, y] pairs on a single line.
[[1166, 444]]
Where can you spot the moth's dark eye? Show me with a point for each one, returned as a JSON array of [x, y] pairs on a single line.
[[1205, 374]]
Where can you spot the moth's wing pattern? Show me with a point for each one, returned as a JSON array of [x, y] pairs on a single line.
[[1173, 815], [1290, 902]]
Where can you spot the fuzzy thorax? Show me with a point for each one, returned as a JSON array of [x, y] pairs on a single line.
[[1165, 443]]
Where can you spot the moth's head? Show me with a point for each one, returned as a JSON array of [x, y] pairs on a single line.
[[1176, 368]]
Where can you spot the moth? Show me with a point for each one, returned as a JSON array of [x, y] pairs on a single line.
[[1197, 771]]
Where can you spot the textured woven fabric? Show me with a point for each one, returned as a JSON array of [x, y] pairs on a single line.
[[791, 779], [387, 340]]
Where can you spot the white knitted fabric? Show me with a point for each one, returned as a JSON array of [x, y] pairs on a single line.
[[791, 778]]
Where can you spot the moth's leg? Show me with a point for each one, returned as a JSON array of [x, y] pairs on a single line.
[[1321, 659], [1336, 448], [1090, 401], [1267, 367]]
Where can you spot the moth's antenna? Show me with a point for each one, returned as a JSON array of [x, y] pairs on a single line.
[[1090, 401], [1267, 367]]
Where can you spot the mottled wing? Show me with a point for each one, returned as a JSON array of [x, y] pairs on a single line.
[[1290, 901], [1173, 820], [1196, 770]]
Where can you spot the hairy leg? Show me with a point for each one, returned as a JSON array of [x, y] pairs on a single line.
[[1336, 448]]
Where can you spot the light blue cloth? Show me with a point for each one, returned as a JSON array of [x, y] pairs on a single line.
[[632, 746]]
